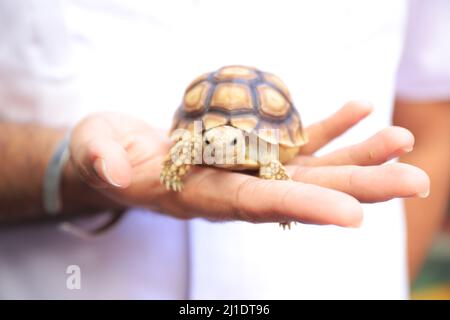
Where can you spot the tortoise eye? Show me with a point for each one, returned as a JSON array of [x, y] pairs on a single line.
[[207, 141], [234, 142]]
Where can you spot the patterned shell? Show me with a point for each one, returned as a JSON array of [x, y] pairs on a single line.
[[245, 98]]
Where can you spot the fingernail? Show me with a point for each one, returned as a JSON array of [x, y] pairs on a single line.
[[424, 194], [102, 171], [408, 149]]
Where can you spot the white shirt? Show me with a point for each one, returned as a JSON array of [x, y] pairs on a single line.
[[60, 60]]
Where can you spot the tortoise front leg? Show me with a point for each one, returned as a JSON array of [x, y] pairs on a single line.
[[178, 162], [274, 170]]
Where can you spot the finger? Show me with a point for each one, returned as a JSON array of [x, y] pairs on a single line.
[[368, 184], [98, 157], [387, 144], [323, 132], [234, 196]]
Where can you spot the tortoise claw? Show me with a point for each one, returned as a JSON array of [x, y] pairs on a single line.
[[287, 225], [170, 181], [177, 185]]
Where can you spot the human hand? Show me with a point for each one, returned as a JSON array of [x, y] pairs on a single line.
[[121, 157]]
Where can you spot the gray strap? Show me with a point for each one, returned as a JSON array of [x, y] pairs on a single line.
[[52, 179]]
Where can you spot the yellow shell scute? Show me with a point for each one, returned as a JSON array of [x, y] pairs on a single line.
[[195, 97], [246, 123], [297, 135], [233, 72], [211, 120], [277, 82], [232, 96], [272, 102]]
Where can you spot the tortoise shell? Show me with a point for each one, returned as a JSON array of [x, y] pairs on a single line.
[[245, 98]]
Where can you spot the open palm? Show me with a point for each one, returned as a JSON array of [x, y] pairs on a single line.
[[122, 156]]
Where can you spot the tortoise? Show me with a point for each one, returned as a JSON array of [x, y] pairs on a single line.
[[232, 112]]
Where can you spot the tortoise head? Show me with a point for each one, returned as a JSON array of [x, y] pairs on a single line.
[[224, 146]]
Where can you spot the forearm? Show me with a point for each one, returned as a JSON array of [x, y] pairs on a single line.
[[430, 124], [25, 151]]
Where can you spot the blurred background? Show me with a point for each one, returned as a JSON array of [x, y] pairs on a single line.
[[433, 281], [132, 55]]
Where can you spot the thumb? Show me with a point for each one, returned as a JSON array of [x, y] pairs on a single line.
[[101, 161]]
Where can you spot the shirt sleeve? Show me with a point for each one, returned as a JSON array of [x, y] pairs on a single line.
[[424, 69]]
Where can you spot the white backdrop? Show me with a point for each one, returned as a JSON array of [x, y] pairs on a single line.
[[69, 58]]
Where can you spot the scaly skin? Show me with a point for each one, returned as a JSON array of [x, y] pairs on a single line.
[[179, 161], [274, 170]]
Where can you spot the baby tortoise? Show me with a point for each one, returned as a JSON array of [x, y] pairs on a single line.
[[237, 118]]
